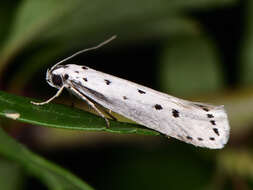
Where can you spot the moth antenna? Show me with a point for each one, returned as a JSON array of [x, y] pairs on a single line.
[[85, 50]]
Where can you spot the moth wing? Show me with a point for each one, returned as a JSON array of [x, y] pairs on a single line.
[[192, 122], [199, 124], [205, 125]]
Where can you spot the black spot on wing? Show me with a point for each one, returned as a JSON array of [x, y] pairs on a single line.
[[85, 79], [175, 113], [213, 122], [125, 98], [158, 107], [77, 72], [107, 82], [200, 139], [202, 107], [212, 138], [216, 131], [189, 138], [205, 109], [141, 91], [85, 68], [210, 115]]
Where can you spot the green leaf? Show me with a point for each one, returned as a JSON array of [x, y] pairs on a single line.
[[246, 56], [72, 22], [237, 162], [13, 171], [60, 116], [52, 175], [190, 58], [44, 31]]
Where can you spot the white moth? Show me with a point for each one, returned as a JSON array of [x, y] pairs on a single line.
[[192, 122]]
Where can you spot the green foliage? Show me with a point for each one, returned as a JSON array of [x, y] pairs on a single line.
[[175, 77], [53, 176], [60, 116]]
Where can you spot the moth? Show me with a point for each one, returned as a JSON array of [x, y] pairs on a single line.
[[195, 123]]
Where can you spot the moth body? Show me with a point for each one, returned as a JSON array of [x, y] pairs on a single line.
[[192, 122]]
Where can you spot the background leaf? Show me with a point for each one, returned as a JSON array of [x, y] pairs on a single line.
[[11, 170], [52, 175]]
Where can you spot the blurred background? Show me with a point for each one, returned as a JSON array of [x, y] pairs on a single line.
[[198, 50]]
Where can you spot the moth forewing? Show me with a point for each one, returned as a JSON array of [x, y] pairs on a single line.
[[192, 122]]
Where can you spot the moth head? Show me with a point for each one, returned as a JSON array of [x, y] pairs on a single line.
[[54, 77]]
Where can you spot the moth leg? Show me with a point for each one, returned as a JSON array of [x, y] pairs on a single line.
[[49, 100], [92, 105], [109, 113], [72, 102]]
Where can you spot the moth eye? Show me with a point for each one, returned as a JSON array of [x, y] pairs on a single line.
[[66, 76], [56, 80]]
